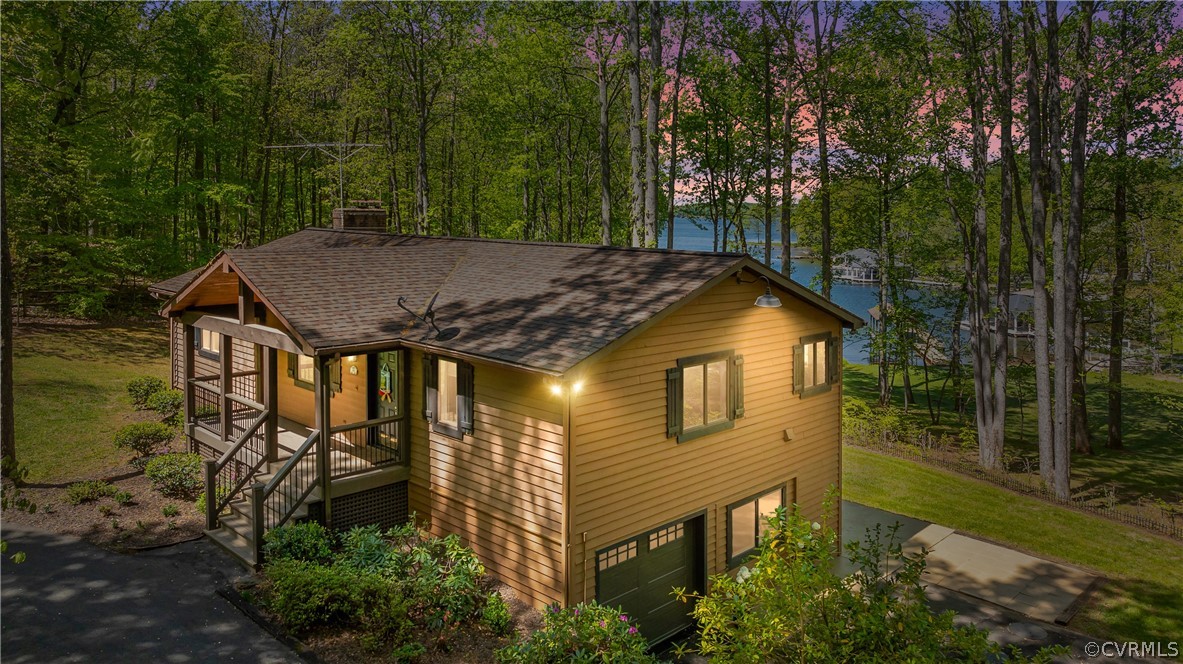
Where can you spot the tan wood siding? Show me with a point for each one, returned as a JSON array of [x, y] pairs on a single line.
[[628, 477], [298, 404], [500, 488]]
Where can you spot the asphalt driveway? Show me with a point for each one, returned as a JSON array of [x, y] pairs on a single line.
[[73, 602]]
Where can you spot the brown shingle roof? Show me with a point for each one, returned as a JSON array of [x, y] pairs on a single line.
[[536, 305], [173, 285]]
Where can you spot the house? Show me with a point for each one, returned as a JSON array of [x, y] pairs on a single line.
[[595, 422], [857, 265]]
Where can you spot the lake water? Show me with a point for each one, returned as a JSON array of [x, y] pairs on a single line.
[[856, 298]]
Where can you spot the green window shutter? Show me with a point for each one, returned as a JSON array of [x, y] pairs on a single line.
[[464, 396], [673, 402], [798, 369], [430, 393], [737, 409], [833, 363], [291, 365]]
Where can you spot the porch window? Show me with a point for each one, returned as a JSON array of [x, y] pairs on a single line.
[[704, 394], [815, 364], [209, 344], [448, 396], [747, 522], [302, 371]]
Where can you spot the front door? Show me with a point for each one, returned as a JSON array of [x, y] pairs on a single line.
[[387, 397]]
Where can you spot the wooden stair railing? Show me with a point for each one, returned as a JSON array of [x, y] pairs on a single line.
[[275, 502], [243, 469]]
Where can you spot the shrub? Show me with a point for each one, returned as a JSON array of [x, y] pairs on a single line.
[[170, 510], [584, 633], [143, 438], [88, 491], [168, 404], [364, 550], [440, 576], [200, 503], [123, 498], [496, 616], [306, 542], [304, 594], [175, 475], [143, 387]]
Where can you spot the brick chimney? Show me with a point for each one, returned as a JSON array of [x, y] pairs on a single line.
[[361, 215]]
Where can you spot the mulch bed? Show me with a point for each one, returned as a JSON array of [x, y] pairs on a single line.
[[123, 528]]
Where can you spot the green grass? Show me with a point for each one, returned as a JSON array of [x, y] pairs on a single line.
[[1151, 464], [70, 391], [1143, 601]]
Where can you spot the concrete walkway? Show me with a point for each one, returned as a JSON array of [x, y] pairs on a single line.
[[1028, 585], [73, 602]]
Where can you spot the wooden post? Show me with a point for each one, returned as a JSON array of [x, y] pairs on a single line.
[[257, 523], [246, 304], [324, 424], [211, 494], [227, 356], [269, 376], [188, 339]]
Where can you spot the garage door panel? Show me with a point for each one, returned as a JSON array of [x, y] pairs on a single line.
[[639, 576]]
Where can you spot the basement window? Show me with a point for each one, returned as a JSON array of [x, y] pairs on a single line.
[[747, 521]]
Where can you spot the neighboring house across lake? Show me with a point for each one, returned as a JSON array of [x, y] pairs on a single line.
[[596, 422]]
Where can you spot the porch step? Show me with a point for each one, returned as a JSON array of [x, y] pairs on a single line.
[[230, 540]]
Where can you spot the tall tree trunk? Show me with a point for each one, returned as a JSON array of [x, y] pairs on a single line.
[[821, 92], [676, 98], [7, 409], [789, 145], [1073, 319], [1121, 242], [1043, 395], [886, 315], [636, 144], [1005, 222], [421, 185], [652, 137], [766, 38], [605, 149], [1063, 324], [981, 338]]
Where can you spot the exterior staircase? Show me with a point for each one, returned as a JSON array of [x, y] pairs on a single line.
[[236, 525]]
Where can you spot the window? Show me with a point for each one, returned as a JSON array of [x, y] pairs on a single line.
[[815, 364], [209, 344], [704, 394], [302, 371], [305, 370], [448, 395], [747, 521]]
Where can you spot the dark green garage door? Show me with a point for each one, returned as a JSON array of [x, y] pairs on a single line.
[[639, 575]]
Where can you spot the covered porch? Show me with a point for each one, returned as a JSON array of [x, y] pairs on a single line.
[[283, 430]]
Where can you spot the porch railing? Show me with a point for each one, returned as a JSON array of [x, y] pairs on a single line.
[[362, 446], [275, 502], [227, 475], [207, 405]]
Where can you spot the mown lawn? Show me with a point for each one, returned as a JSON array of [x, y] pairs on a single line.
[[70, 392], [1151, 464], [1143, 600]]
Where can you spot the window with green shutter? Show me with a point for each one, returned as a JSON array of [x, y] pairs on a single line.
[[448, 396], [704, 394], [816, 365]]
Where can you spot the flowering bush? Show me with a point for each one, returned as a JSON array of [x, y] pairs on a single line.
[[584, 633]]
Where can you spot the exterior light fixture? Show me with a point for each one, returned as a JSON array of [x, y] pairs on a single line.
[[767, 300], [556, 389]]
